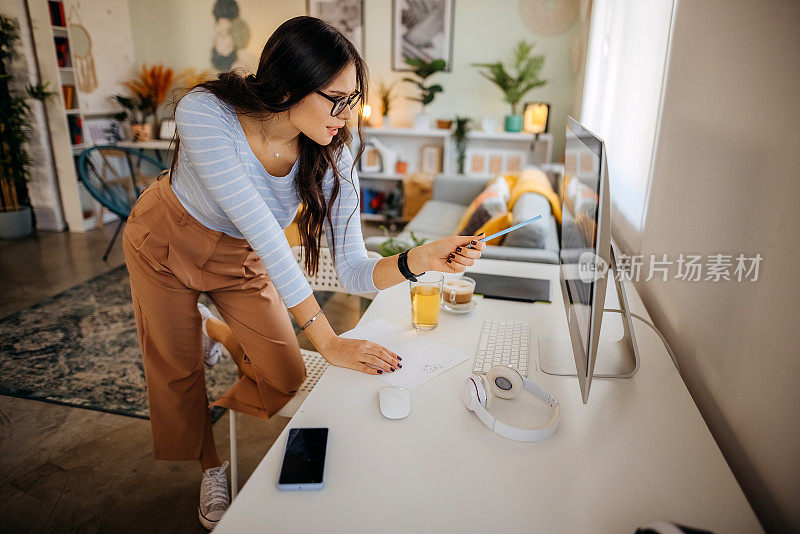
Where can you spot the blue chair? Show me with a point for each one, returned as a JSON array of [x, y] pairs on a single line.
[[116, 176]]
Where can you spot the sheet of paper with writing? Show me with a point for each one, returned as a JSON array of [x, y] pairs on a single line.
[[423, 358]]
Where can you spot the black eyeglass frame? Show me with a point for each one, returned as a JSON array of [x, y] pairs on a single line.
[[352, 100]]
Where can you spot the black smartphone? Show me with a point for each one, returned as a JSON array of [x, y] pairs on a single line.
[[303, 465]]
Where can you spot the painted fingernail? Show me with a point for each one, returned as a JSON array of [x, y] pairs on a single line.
[[399, 358], [399, 365], [458, 249], [393, 369], [482, 233], [474, 242], [380, 371], [452, 256], [448, 260]]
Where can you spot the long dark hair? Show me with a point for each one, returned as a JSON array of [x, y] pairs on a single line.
[[303, 55]]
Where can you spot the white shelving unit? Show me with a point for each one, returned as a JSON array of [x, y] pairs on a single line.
[[408, 143], [63, 122]]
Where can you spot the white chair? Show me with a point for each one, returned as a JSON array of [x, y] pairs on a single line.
[[326, 279]]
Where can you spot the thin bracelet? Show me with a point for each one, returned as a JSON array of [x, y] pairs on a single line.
[[311, 320]]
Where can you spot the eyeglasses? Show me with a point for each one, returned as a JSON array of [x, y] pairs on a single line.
[[339, 103]]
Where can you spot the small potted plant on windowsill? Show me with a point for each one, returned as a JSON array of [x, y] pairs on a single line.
[[426, 93], [521, 76]]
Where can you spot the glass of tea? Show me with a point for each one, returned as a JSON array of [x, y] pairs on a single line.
[[426, 297]]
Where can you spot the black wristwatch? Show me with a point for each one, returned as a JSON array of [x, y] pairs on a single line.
[[402, 264]]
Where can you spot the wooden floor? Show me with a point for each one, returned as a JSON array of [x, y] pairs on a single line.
[[65, 469]]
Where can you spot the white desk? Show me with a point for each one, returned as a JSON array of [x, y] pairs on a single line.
[[637, 452]]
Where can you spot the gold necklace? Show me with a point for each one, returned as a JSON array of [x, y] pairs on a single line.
[[269, 144]]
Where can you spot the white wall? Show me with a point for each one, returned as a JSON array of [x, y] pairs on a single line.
[[725, 179], [179, 34], [109, 26]]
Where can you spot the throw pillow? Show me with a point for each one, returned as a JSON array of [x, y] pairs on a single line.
[[493, 201]]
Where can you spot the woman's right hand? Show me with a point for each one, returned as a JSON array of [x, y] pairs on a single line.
[[361, 355]]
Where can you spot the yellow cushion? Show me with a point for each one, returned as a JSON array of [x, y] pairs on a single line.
[[535, 181], [496, 224]]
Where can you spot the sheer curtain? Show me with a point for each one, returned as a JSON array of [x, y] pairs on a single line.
[[625, 72]]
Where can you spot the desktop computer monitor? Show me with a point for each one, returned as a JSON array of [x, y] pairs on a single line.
[[587, 261]]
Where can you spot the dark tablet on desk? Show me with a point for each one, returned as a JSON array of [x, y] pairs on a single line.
[[494, 286]]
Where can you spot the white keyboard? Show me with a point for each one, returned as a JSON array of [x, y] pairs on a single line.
[[503, 343]]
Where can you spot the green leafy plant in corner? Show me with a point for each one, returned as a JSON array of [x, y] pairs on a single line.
[[423, 70], [521, 76], [393, 246], [14, 124], [460, 137]]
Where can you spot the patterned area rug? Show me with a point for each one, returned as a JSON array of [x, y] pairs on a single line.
[[80, 348]]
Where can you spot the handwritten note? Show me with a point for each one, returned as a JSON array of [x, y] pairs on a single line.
[[423, 358]]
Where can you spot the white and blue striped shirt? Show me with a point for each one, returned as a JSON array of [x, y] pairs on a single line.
[[222, 184]]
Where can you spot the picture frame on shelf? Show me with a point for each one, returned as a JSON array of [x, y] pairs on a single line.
[[431, 159], [370, 160], [423, 30], [345, 15]]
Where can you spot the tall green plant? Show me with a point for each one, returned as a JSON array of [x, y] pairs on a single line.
[[521, 76], [423, 70], [14, 124], [460, 137]]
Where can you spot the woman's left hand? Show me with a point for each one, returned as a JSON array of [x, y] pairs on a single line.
[[448, 255]]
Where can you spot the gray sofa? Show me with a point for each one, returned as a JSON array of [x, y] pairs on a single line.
[[439, 218]]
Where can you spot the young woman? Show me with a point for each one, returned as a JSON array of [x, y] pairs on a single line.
[[250, 151]]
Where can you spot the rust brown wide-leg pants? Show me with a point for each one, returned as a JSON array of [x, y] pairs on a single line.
[[172, 258]]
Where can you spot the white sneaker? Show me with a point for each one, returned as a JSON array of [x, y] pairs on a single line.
[[212, 350], [214, 499]]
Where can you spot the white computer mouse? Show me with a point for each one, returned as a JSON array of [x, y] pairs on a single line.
[[395, 402]]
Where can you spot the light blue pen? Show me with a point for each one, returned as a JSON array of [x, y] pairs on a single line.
[[511, 229]]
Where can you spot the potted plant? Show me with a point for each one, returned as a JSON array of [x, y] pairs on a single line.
[[136, 111], [149, 89], [423, 70], [460, 137], [385, 95], [521, 76], [15, 211], [393, 246]]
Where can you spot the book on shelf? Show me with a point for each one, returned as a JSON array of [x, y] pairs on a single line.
[[69, 96], [62, 52], [57, 17], [75, 129], [372, 200]]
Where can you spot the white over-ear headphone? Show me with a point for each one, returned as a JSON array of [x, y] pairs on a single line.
[[507, 383]]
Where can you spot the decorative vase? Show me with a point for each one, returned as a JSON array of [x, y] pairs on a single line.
[[16, 224], [422, 121], [513, 123], [489, 124], [141, 132], [443, 124]]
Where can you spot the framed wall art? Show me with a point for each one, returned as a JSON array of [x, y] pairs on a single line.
[[422, 29], [346, 15]]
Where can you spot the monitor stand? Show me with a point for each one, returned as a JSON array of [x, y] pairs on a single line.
[[615, 359]]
